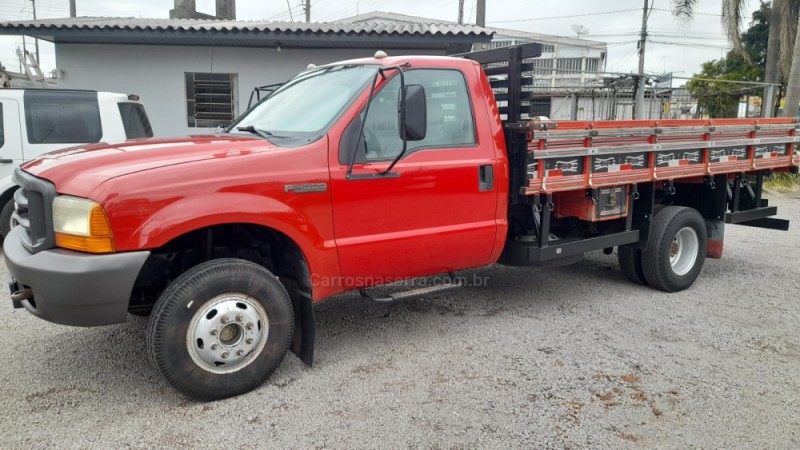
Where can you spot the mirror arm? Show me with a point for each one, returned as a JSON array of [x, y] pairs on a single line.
[[361, 128], [402, 122], [382, 72]]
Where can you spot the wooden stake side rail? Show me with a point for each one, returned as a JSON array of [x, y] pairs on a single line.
[[565, 156]]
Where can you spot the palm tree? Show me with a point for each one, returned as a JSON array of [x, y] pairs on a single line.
[[781, 46], [793, 86]]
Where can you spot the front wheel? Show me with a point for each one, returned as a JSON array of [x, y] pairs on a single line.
[[676, 249], [220, 329]]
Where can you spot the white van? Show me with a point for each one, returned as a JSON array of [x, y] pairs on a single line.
[[38, 121]]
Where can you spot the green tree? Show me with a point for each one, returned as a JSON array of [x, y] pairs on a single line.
[[755, 39], [718, 98], [781, 35]]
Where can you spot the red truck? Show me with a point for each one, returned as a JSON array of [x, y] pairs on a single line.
[[361, 173]]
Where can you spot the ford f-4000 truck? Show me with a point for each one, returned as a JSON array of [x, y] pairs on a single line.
[[360, 173]]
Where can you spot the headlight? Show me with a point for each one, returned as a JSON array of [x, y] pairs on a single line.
[[81, 224]]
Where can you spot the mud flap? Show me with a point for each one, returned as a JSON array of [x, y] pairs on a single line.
[[716, 238], [305, 325], [303, 342]]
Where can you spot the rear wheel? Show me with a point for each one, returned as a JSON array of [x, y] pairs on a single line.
[[220, 329], [676, 249], [630, 261]]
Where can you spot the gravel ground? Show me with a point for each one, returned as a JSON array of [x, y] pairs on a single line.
[[569, 357]]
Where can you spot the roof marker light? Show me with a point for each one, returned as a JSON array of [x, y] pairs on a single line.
[[380, 54]]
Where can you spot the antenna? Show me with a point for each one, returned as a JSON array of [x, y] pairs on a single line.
[[580, 30]]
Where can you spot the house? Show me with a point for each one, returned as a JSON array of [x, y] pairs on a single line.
[[195, 74]]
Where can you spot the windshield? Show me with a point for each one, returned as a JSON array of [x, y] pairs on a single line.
[[309, 103]]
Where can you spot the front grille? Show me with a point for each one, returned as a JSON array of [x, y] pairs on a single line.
[[34, 211]]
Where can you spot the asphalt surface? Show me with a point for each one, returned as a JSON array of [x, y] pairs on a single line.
[[570, 357]]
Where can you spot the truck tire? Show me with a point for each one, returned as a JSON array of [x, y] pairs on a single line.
[[630, 261], [220, 329], [676, 249], [5, 217]]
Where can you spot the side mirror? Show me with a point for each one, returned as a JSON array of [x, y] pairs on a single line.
[[413, 113]]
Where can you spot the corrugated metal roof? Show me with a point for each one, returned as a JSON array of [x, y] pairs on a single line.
[[452, 38], [195, 25]]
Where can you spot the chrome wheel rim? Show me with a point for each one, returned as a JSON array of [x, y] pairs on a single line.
[[683, 251], [227, 333]]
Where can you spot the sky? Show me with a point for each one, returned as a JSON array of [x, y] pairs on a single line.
[[673, 46]]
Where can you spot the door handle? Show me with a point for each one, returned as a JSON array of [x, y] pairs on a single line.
[[6, 161], [486, 177]]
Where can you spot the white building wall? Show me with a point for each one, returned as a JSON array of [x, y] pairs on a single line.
[[157, 73], [601, 108]]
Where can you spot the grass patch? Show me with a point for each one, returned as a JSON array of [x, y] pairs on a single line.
[[782, 182]]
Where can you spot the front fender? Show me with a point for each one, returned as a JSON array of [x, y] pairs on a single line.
[[192, 213]]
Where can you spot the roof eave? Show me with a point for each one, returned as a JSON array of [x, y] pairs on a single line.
[[300, 38]]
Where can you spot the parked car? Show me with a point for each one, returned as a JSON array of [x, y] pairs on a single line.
[[38, 121]]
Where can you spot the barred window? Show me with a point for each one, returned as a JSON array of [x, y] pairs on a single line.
[[592, 64], [501, 43], [569, 64], [210, 99], [542, 66]]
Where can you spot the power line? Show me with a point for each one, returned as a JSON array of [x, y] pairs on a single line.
[[471, 10], [696, 14], [566, 17], [367, 6], [695, 45]]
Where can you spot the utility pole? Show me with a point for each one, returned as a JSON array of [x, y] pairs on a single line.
[[73, 10], [308, 11], [480, 15], [460, 12], [35, 40], [638, 105]]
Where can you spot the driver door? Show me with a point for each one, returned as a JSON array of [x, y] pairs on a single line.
[[435, 213]]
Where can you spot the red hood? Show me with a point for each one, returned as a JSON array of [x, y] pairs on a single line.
[[78, 170]]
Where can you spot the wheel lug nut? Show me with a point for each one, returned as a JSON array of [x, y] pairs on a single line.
[[239, 352], [224, 355], [249, 326], [224, 319], [239, 317], [214, 331], [248, 341], [214, 346]]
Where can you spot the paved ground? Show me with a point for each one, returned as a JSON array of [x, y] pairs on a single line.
[[571, 357]]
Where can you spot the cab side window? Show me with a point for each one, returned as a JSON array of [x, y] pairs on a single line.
[[450, 122], [135, 121]]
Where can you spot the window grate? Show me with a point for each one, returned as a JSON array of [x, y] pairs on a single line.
[[210, 99]]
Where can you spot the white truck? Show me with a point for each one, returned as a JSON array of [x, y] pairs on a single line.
[[37, 121]]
